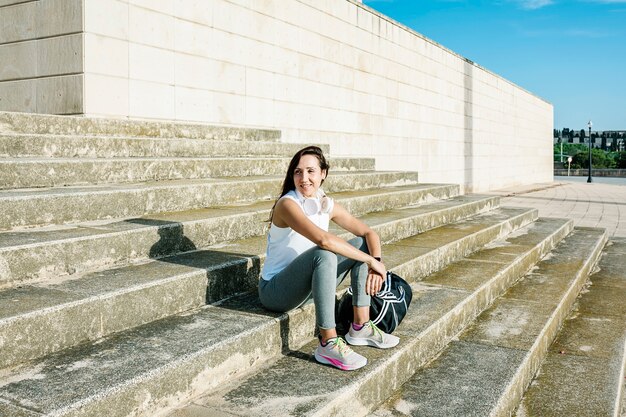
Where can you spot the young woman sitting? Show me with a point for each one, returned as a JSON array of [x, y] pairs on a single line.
[[305, 261]]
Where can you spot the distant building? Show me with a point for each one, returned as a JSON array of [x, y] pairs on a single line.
[[601, 139]]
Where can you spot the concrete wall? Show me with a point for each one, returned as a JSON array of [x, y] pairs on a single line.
[[600, 172], [329, 71], [41, 56]]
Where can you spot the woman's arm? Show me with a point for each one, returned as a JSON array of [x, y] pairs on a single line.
[[347, 221], [344, 219], [288, 213]]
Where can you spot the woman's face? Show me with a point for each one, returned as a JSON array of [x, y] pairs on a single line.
[[308, 175]]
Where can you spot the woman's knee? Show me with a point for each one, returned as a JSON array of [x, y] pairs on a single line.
[[325, 258], [359, 243]]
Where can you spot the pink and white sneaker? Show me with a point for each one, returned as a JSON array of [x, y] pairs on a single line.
[[338, 354]]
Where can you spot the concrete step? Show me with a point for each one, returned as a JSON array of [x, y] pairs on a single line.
[[157, 366], [30, 123], [73, 146], [27, 172], [144, 369], [583, 373], [57, 315], [40, 254], [485, 371], [296, 385], [20, 208]]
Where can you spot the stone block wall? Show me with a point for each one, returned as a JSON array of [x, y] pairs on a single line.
[[41, 56], [325, 71]]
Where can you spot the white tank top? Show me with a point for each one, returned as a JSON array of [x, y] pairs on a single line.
[[284, 244]]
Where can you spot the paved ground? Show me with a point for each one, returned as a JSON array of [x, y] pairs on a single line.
[[601, 203]]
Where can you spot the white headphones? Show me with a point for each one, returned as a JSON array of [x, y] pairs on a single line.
[[319, 204]]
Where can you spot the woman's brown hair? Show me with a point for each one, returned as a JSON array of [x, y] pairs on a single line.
[[288, 183]]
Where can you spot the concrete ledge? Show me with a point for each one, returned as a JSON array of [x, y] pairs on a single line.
[[487, 371], [37, 255], [53, 317], [7, 409], [158, 365], [164, 359], [69, 125], [600, 172], [501, 222], [75, 146], [583, 372], [77, 204], [28, 173], [414, 259], [435, 316]]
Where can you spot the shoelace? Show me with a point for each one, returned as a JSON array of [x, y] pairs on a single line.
[[376, 330], [341, 345]]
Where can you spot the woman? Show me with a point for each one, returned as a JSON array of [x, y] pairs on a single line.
[[305, 261]]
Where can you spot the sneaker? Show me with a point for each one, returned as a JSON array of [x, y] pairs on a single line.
[[370, 335], [338, 354]]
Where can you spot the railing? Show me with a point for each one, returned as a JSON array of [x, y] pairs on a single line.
[[597, 172]]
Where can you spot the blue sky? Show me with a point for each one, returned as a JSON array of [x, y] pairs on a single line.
[[570, 53]]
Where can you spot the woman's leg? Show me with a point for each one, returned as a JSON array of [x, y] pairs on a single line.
[[312, 274], [358, 278], [316, 274], [362, 331]]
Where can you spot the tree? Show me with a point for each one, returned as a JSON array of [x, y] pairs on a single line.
[[599, 159], [580, 160], [571, 149]]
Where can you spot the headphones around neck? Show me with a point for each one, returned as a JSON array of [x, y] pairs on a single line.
[[319, 204]]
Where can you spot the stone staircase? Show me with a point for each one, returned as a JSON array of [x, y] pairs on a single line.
[[130, 253]]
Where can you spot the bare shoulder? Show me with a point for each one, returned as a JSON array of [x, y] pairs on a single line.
[[285, 207]]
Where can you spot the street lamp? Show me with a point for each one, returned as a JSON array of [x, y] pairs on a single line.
[[589, 177]]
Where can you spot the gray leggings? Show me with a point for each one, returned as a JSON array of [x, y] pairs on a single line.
[[316, 274]]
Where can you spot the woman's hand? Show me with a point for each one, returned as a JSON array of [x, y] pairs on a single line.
[[375, 277]]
